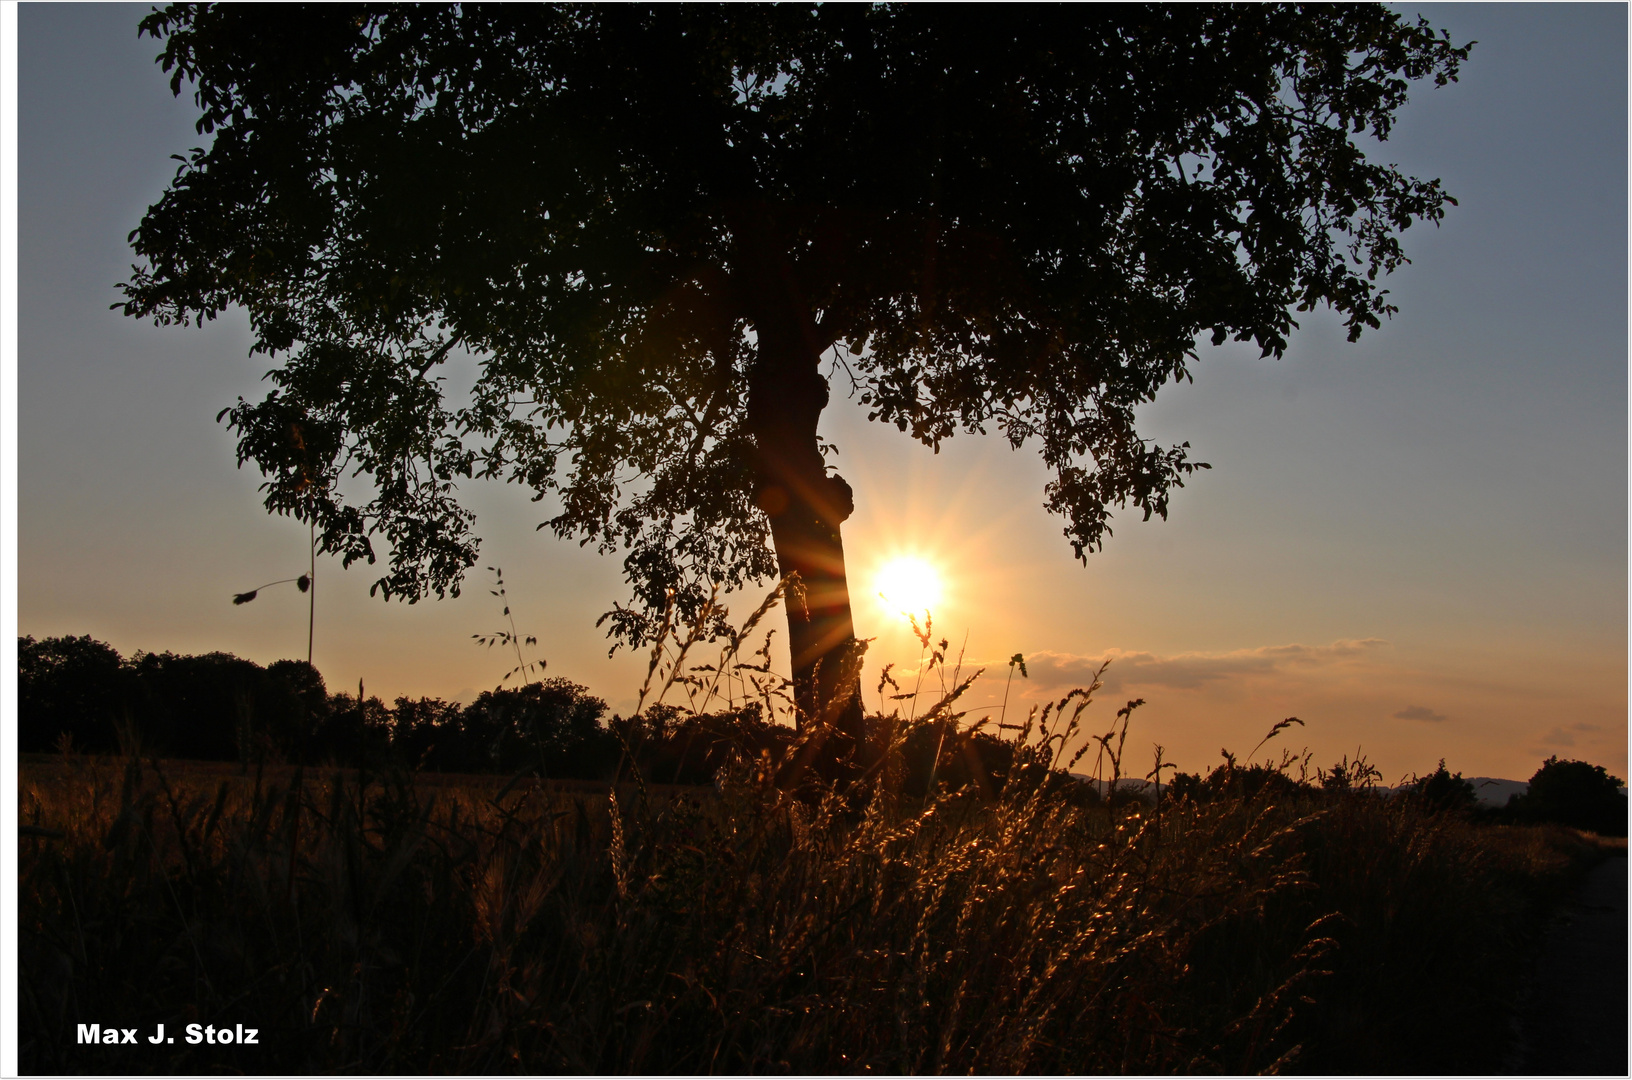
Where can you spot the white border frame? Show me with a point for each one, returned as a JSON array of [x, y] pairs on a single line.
[[8, 539]]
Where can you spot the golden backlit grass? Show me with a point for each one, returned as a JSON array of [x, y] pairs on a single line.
[[400, 923], [741, 929]]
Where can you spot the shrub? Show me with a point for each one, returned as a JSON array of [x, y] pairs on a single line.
[[1575, 794], [1232, 781], [1443, 791]]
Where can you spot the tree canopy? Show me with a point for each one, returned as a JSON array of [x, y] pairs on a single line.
[[652, 229], [1575, 793]]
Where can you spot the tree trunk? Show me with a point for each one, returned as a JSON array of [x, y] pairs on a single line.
[[806, 506], [786, 395]]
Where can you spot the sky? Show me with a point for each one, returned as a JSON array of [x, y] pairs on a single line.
[[1417, 544]]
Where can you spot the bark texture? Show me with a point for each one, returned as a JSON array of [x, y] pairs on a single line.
[[805, 504]]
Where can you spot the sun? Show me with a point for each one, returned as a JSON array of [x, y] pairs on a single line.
[[907, 585]]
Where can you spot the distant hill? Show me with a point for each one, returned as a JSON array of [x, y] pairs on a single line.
[[1127, 783], [1492, 791]]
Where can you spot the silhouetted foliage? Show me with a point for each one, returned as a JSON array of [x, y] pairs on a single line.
[[1576, 794], [673, 747], [1233, 781], [297, 709], [399, 927], [429, 733], [353, 734], [651, 226], [206, 707], [69, 688], [77, 693], [1441, 790], [555, 724], [211, 707], [954, 760], [1347, 775], [220, 707]]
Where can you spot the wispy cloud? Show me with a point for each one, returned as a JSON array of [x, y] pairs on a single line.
[[1561, 736], [1420, 712], [1193, 671]]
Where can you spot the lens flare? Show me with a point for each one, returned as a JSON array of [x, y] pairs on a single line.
[[907, 585]]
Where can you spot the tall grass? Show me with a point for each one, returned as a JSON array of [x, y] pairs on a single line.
[[1012, 926], [416, 930]]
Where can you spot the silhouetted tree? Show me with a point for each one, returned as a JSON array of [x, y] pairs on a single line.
[[1577, 794], [208, 707], [216, 706], [1232, 781], [427, 733], [966, 758], [1444, 790], [73, 687], [1356, 775], [352, 736], [554, 724], [651, 226], [673, 747], [296, 708]]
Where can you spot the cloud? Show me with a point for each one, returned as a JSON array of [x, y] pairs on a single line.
[[1561, 736], [1420, 712], [1192, 671]]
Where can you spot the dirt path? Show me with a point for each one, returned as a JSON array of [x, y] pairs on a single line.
[[1575, 1022]]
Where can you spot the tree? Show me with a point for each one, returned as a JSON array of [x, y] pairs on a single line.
[[209, 707], [649, 229], [297, 707], [1444, 790], [1577, 794], [554, 725], [70, 687]]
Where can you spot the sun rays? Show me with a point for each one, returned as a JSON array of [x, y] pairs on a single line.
[[907, 585]]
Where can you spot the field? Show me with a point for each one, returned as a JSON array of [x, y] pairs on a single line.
[[432, 924]]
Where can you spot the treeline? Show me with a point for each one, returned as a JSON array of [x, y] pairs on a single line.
[[80, 695], [1575, 794]]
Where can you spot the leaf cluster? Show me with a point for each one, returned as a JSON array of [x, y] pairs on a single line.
[[1021, 219]]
